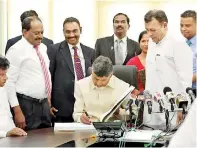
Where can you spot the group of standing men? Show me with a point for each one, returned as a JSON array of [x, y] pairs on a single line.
[[41, 78]]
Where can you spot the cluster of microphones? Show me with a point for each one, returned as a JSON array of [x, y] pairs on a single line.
[[179, 101]]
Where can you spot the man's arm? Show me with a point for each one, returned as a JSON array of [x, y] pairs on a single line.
[[97, 48], [194, 78], [79, 106], [8, 45], [183, 62], [13, 74]]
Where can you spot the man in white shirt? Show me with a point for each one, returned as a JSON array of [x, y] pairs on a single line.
[[118, 47], [168, 64], [96, 94], [7, 126], [29, 82]]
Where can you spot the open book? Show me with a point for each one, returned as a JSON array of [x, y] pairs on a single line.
[[105, 117]]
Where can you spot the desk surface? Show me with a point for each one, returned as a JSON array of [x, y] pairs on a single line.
[[44, 138]]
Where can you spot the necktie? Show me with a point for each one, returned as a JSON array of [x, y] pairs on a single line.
[[45, 72], [188, 42], [118, 53], [77, 63]]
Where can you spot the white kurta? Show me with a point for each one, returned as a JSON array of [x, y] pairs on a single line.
[[6, 121], [168, 63]]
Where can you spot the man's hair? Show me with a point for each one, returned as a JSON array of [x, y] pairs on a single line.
[[26, 14], [159, 15], [70, 20], [4, 63], [26, 24], [189, 13], [127, 18], [102, 66], [141, 35]]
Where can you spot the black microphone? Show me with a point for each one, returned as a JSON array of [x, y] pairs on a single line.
[[148, 97], [191, 94], [139, 100], [158, 98], [170, 96]]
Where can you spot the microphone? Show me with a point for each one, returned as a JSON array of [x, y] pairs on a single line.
[[139, 100], [148, 97], [170, 96], [191, 94], [158, 98], [181, 102]]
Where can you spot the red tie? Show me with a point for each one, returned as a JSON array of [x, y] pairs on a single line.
[[45, 71], [77, 63]]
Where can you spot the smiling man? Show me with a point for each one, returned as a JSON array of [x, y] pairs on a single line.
[[69, 62], [29, 83], [118, 47], [188, 30]]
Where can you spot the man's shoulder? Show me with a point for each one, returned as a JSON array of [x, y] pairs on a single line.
[[86, 47], [131, 41], [47, 41], [84, 82], [104, 39], [15, 39]]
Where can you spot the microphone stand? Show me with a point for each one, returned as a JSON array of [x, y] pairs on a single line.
[[167, 119], [130, 113]]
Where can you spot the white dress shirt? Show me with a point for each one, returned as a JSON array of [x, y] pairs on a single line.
[[168, 63], [25, 75], [80, 54], [96, 101], [6, 121], [123, 45], [186, 134]]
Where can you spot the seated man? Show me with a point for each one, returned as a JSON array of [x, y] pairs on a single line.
[[97, 93], [7, 127]]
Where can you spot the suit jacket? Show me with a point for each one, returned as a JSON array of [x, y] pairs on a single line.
[[105, 47], [63, 77], [12, 41]]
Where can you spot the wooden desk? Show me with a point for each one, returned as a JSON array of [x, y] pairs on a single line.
[[44, 138]]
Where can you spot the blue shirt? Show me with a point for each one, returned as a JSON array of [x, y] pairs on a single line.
[[193, 47]]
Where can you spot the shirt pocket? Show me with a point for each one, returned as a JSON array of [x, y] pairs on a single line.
[[162, 62]]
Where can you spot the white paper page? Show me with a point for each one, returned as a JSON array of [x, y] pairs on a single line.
[[72, 126], [119, 101], [141, 135]]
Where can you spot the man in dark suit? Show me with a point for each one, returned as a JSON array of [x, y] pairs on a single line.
[[12, 41], [69, 62], [118, 47]]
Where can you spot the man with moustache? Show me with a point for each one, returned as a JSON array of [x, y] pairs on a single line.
[[69, 62], [188, 30], [12, 41], [118, 47], [29, 83]]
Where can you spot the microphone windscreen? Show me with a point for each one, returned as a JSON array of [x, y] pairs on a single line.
[[166, 89], [188, 89]]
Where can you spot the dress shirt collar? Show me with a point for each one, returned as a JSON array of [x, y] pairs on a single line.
[[110, 84], [193, 40], [27, 44], [162, 40], [124, 40], [71, 46]]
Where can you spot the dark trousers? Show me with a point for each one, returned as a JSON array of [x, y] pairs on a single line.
[[37, 114]]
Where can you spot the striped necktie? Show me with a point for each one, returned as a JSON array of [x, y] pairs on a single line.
[[45, 72], [77, 64]]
